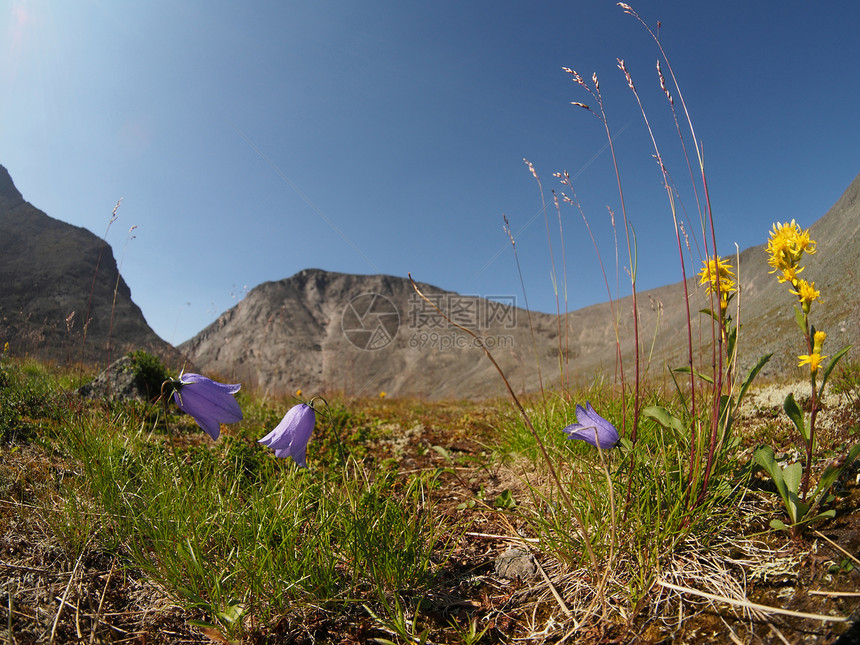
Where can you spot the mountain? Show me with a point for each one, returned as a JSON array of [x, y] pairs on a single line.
[[320, 331], [58, 281], [767, 323]]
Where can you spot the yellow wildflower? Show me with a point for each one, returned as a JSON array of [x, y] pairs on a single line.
[[804, 243], [807, 292], [382, 395], [717, 274], [813, 360], [786, 245], [818, 342], [789, 274], [299, 392]]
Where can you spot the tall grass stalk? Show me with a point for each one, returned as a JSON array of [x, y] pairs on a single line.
[[553, 274], [710, 240], [86, 320], [128, 237], [628, 232], [548, 461], [526, 301]]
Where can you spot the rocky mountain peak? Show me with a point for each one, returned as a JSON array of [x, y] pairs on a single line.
[[10, 196], [62, 296]]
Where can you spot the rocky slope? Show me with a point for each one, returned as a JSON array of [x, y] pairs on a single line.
[[320, 331], [51, 293]]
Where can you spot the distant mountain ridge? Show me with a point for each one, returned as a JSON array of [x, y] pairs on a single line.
[[290, 335], [320, 331], [49, 283]]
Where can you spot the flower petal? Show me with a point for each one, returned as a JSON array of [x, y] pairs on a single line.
[[592, 428], [290, 437], [209, 402]]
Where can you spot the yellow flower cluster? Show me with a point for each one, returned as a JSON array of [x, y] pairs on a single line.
[[717, 274], [785, 246]]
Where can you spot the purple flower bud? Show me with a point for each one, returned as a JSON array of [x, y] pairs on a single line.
[[209, 402], [290, 437], [592, 428]]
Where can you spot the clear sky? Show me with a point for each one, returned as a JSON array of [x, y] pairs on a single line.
[[250, 140]]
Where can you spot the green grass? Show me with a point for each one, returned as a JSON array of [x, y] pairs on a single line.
[[635, 504], [228, 529], [30, 400], [247, 544]]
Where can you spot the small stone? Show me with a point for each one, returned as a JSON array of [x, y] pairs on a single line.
[[515, 563]]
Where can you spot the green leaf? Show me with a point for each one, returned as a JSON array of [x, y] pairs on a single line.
[[778, 525], [792, 474], [442, 452], [709, 312], [665, 418], [232, 613], [800, 319], [731, 341], [764, 457], [794, 413], [686, 370], [787, 481], [505, 500], [828, 514], [752, 374]]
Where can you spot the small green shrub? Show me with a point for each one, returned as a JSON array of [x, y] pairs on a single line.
[[149, 372]]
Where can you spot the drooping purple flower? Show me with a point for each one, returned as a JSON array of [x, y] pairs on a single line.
[[209, 402], [290, 437], [592, 428]]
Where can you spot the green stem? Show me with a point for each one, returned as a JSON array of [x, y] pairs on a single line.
[[582, 529], [810, 442]]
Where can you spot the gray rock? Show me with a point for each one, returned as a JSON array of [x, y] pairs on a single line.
[[117, 382], [516, 563]]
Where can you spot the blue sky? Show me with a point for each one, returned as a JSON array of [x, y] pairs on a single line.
[[250, 140]]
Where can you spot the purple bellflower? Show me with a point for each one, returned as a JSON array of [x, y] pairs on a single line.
[[209, 402], [290, 437], [592, 428]]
